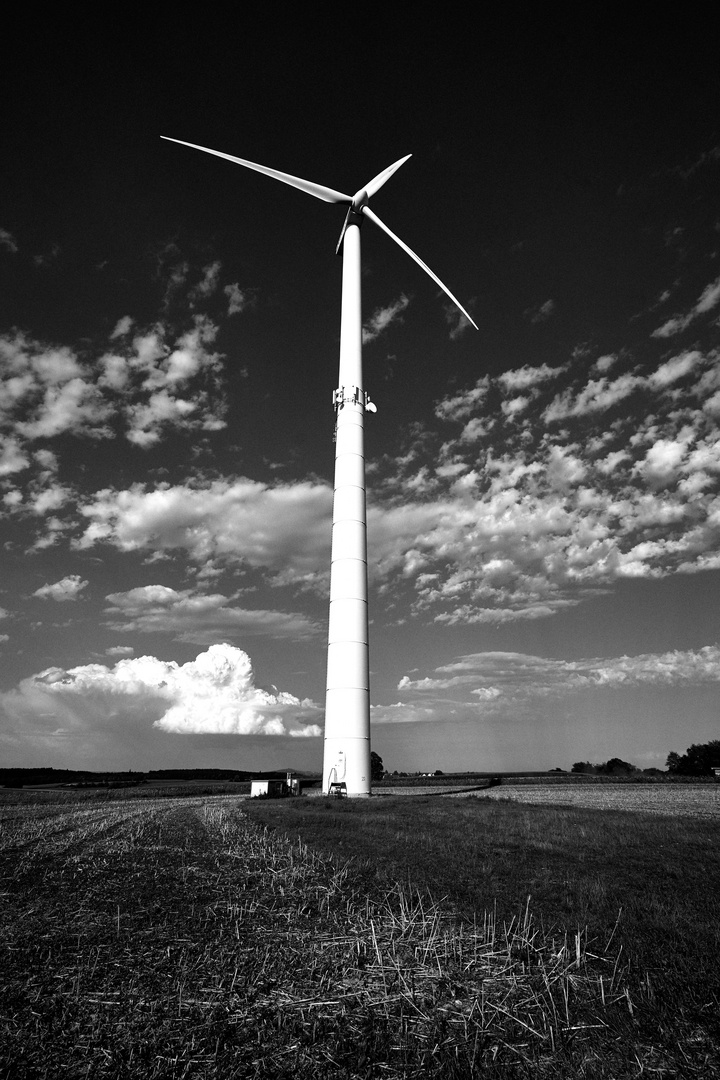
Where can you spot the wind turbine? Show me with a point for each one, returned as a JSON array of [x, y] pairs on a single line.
[[346, 757]]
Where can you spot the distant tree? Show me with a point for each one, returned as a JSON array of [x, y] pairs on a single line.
[[376, 766], [616, 767], [698, 760], [583, 767], [438, 772]]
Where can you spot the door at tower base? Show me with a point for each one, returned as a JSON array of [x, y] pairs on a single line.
[[347, 761]]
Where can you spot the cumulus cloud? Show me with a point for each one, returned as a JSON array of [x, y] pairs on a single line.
[[491, 532], [215, 693], [284, 528], [13, 457], [68, 588]]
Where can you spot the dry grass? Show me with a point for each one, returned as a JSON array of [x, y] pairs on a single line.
[[175, 938], [685, 800], [646, 882]]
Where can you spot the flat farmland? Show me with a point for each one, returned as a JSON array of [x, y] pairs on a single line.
[[175, 937], [217, 937], [700, 801]]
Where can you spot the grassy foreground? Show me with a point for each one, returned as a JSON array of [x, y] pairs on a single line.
[[199, 937], [642, 886]]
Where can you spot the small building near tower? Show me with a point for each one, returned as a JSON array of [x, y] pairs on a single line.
[[275, 788]]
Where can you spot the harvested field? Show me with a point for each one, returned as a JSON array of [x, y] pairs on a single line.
[[176, 938], [684, 800]]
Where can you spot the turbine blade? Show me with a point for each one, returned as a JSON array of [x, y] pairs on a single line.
[[325, 193], [418, 260], [344, 230], [377, 182]]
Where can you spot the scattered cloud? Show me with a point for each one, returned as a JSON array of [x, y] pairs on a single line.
[[148, 384], [526, 377], [199, 618], [456, 320], [540, 312], [239, 299], [382, 318], [461, 405], [491, 679], [7, 241], [68, 588], [708, 299], [283, 528]]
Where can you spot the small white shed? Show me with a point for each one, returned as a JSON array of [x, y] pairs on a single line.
[[268, 789]]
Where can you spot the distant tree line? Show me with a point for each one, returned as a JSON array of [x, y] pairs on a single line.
[[29, 777], [614, 767], [698, 760]]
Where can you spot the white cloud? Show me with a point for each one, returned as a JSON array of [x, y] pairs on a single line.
[[12, 457], [68, 588], [598, 396], [7, 241], [122, 327], [148, 383], [207, 284], [708, 299], [662, 461], [215, 693], [457, 322], [540, 312], [381, 318], [285, 528], [238, 299], [461, 405], [525, 377], [499, 678], [604, 363], [200, 618], [675, 368]]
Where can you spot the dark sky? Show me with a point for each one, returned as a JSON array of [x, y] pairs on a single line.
[[543, 493]]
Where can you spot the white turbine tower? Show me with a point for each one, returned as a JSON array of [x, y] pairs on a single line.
[[346, 756]]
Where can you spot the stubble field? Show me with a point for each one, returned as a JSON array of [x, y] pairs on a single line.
[[208, 936], [699, 801]]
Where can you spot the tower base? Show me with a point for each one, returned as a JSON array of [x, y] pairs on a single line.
[[347, 761]]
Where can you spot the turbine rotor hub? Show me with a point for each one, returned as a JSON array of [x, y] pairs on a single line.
[[360, 199]]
